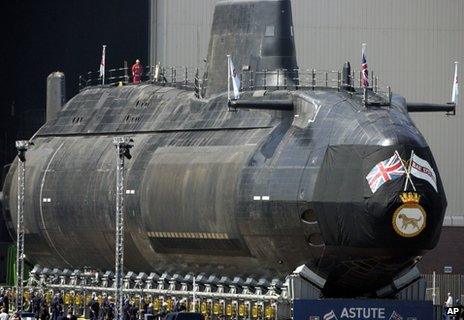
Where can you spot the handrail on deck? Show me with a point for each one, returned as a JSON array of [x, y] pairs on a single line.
[[190, 78]]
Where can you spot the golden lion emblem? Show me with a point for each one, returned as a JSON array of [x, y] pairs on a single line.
[[406, 221]]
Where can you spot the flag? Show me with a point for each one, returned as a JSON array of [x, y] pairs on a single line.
[[329, 316], [384, 171], [395, 316], [364, 68], [157, 72], [235, 77], [455, 95], [421, 169], [102, 63]]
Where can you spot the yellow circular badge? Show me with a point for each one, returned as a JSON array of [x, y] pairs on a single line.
[[409, 220]]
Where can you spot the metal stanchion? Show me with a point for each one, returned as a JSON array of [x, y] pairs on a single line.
[[186, 76], [21, 147], [126, 72], [265, 79], [390, 94], [123, 146], [364, 98], [313, 79]]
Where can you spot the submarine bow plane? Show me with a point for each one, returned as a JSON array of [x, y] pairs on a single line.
[[259, 186]]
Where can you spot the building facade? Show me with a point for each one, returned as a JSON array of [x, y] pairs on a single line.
[[411, 46]]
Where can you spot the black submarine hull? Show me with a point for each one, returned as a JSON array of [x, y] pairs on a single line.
[[250, 192]]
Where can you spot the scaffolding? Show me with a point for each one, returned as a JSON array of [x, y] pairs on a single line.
[[123, 146], [21, 147]]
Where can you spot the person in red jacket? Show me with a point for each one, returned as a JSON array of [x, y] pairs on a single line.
[[136, 72]]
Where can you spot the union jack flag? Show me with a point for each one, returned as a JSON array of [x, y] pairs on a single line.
[[330, 316], [364, 68], [396, 316], [384, 171]]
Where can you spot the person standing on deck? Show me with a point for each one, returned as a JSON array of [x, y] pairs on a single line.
[[137, 72]]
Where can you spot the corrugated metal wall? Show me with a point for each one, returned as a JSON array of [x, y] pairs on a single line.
[[411, 46], [182, 28]]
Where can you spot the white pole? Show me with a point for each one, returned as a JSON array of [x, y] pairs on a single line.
[[104, 64], [408, 173], [228, 77], [433, 288], [455, 94], [410, 168]]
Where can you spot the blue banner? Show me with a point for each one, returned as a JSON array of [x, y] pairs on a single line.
[[339, 309]]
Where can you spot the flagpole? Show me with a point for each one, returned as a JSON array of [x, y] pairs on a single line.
[[405, 168], [408, 174], [454, 96], [228, 77], [410, 167], [103, 64]]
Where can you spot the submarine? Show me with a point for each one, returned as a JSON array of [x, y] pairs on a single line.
[[282, 177]]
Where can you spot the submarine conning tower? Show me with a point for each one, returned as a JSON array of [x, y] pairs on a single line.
[[258, 34]]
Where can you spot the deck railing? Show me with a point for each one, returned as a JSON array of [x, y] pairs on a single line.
[[192, 78]]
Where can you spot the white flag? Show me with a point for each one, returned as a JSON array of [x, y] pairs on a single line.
[[102, 63], [455, 95], [235, 79], [421, 169]]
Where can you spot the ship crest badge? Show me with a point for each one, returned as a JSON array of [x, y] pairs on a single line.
[[410, 218]]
